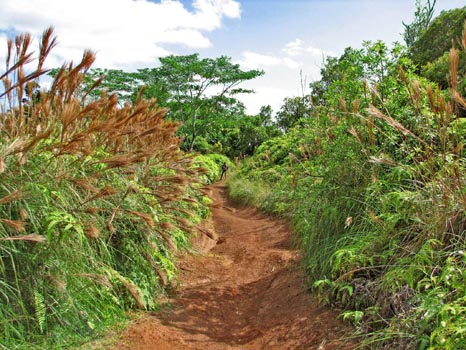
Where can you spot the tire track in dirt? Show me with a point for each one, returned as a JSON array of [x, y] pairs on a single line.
[[247, 293]]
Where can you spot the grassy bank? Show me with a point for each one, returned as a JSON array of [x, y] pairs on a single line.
[[96, 201], [376, 195]]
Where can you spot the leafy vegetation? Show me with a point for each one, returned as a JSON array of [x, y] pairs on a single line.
[[97, 195], [430, 51], [201, 94], [373, 181], [96, 199]]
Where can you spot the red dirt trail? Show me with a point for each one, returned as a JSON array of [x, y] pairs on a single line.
[[246, 293]]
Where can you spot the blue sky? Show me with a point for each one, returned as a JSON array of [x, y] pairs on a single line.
[[282, 37]]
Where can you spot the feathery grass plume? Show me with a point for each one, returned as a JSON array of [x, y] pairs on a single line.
[[103, 192], [382, 160], [358, 137], [13, 196], [373, 111], [71, 140], [100, 279], [453, 58], [371, 126], [31, 237], [92, 232], [48, 42], [168, 240], [84, 183], [16, 146], [14, 224], [343, 105], [356, 104], [22, 213], [132, 289], [458, 98], [416, 87], [147, 218], [92, 210], [163, 278], [432, 99]]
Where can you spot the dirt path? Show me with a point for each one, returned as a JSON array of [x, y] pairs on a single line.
[[247, 293]]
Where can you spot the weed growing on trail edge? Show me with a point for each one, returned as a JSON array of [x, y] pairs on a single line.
[[376, 195], [95, 201]]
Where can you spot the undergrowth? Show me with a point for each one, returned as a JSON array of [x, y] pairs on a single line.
[[374, 184], [96, 202]]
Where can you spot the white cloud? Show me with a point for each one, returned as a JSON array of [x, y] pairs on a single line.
[[264, 96], [294, 48], [297, 47], [122, 32], [254, 60], [3, 50], [287, 68]]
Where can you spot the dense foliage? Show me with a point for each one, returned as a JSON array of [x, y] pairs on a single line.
[[430, 51], [97, 196], [200, 93], [96, 201], [373, 180]]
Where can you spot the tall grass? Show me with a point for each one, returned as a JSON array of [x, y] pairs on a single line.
[[95, 202], [377, 199]]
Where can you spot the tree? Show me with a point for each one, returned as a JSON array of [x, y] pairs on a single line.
[[194, 88], [430, 51], [292, 111], [422, 17], [199, 93], [265, 114], [357, 77], [438, 37]]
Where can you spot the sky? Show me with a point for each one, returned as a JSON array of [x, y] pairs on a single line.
[[288, 39]]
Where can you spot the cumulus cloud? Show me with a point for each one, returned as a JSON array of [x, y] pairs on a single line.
[[254, 60], [298, 47], [122, 32]]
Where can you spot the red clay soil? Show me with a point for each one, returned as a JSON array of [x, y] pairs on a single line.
[[247, 293]]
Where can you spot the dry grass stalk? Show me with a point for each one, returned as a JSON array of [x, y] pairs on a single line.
[[383, 161], [358, 137], [100, 279], [31, 237]]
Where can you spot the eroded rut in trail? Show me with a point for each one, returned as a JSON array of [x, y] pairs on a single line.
[[247, 293]]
